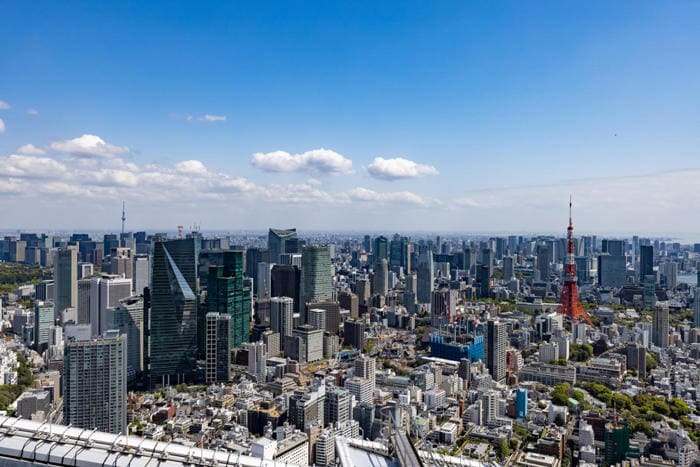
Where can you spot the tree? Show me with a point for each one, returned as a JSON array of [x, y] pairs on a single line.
[[502, 448]]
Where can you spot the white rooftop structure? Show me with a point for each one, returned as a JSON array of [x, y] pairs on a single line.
[[25, 441]]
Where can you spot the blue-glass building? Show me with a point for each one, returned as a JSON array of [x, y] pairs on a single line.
[[452, 351], [521, 403]]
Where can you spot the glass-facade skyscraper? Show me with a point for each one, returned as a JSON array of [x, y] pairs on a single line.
[[171, 318], [226, 294], [316, 274], [276, 242]]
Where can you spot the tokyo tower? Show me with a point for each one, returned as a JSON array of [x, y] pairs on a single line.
[[570, 304]]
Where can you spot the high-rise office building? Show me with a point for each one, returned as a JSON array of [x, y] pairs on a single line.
[[257, 360], [649, 291], [381, 248], [381, 277], [613, 247], [286, 282], [637, 358], [646, 261], [316, 274], [365, 367], [171, 318], [508, 267], [94, 383], [264, 279], [612, 271], [43, 319], [482, 281], [659, 328], [496, 342], [543, 264], [354, 333], [277, 242], [142, 273], [400, 253], [363, 291], [84, 288], [312, 340], [127, 318], [65, 274], [349, 301], [282, 317], [487, 259], [226, 294], [337, 406], [105, 292], [426, 276], [218, 345], [121, 262], [696, 314]]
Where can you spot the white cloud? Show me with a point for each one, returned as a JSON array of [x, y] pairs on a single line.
[[32, 111], [30, 167], [192, 167], [30, 150], [2, 126], [401, 197], [88, 146], [398, 168], [4, 105], [317, 161], [213, 118]]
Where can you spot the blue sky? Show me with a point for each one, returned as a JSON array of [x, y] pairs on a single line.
[[485, 114]]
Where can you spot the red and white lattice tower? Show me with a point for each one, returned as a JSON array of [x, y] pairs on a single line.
[[570, 304]]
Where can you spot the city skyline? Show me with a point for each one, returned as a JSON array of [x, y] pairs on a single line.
[[452, 117]]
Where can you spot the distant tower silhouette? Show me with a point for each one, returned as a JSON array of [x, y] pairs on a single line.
[[570, 304], [121, 239]]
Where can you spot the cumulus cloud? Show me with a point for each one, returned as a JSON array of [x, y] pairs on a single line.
[[30, 167], [4, 105], [398, 168], [88, 146], [213, 118], [2, 126], [402, 197], [317, 161], [30, 150], [32, 111], [193, 167]]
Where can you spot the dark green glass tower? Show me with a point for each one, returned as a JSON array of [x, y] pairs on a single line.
[[172, 315], [226, 294]]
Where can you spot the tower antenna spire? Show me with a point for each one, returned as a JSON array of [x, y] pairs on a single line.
[[123, 220]]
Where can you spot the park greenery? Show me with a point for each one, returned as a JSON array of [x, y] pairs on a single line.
[[10, 392], [12, 275], [580, 352]]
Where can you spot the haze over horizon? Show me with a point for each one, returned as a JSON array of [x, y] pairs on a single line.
[[445, 117]]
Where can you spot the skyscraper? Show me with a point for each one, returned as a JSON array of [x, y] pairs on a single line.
[[496, 342], [218, 345], [316, 274], [43, 319], [127, 318], [659, 328], [400, 253], [142, 273], [365, 367], [508, 267], [696, 315], [65, 274], [381, 248], [257, 360], [282, 317], [276, 242], [105, 292], [426, 276], [381, 277], [226, 294], [94, 383], [286, 282], [646, 261], [171, 318]]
